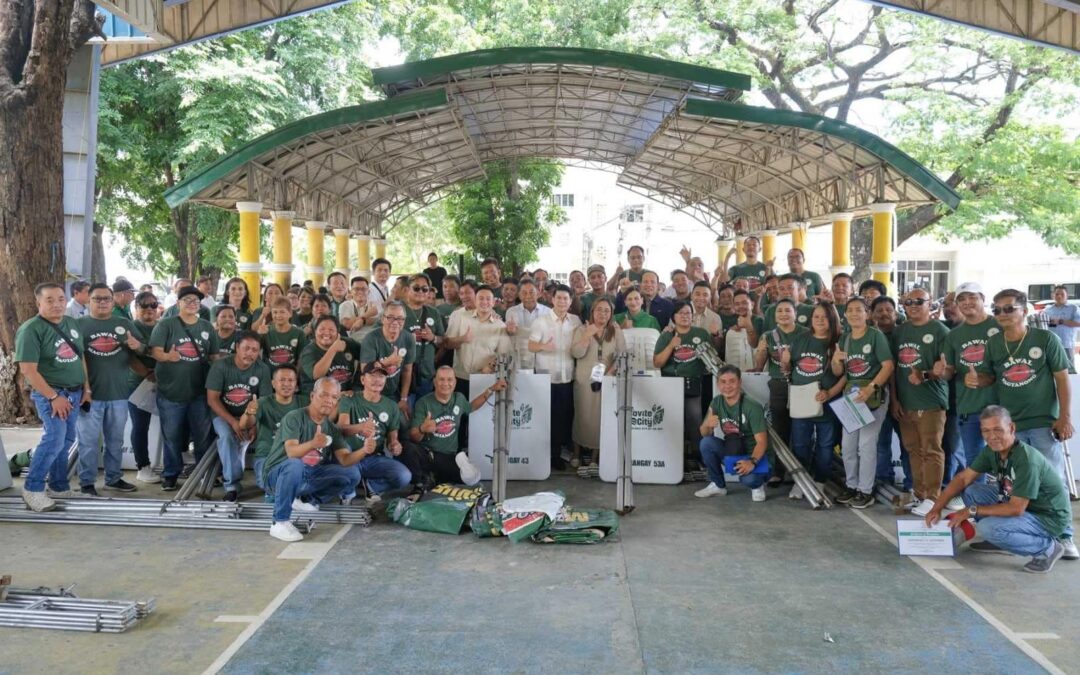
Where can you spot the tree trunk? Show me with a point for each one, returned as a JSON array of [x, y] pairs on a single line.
[[37, 40], [98, 273]]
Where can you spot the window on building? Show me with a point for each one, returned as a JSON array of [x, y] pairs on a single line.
[[565, 200], [634, 214], [932, 275]]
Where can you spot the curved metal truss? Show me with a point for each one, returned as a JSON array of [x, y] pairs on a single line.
[[673, 131]]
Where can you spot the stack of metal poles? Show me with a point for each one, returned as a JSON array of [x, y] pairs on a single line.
[[37, 609], [504, 406], [204, 472], [624, 386]]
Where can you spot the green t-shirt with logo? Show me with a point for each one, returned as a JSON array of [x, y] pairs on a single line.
[[813, 283], [425, 351], [918, 347], [746, 418], [385, 412], [1027, 473], [446, 309], [238, 387], [142, 334], [803, 312], [1025, 376], [184, 380], [375, 346], [268, 419], [342, 368], [298, 426], [243, 319], [301, 320], [283, 348], [810, 363], [227, 345], [587, 300], [204, 312], [59, 365], [866, 354], [447, 417], [774, 340], [642, 320], [104, 346], [965, 346], [754, 273], [684, 361], [728, 320]]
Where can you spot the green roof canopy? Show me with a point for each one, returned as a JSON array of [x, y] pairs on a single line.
[[674, 131]]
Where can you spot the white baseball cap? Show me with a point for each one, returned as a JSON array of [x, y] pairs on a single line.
[[970, 287], [470, 474]]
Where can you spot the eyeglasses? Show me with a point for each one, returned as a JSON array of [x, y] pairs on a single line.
[[152, 305], [101, 298], [1007, 309], [420, 289], [918, 302], [189, 300], [394, 319]]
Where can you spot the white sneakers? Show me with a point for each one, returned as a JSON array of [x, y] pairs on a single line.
[[147, 475], [711, 490], [796, 492], [299, 505], [62, 494], [470, 473], [38, 501], [955, 504], [758, 494], [922, 508], [285, 531]]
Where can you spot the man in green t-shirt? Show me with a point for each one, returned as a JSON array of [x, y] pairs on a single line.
[[328, 355], [233, 383], [426, 326], [123, 294], [1032, 378], [433, 431], [740, 421], [265, 413], [1025, 512], [635, 255], [751, 269], [384, 466], [310, 459], [811, 281], [282, 342], [919, 398], [50, 360], [790, 286], [109, 348], [394, 350], [184, 347], [146, 317]]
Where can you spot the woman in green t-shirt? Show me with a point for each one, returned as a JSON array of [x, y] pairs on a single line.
[[634, 316], [260, 318], [813, 438], [676, 356], [239, 297], [863, 360], [769, 350]]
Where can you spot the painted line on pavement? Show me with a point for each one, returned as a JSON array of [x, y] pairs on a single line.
[[269, 610], [1017, 639], [1039, 636], [236, 618]]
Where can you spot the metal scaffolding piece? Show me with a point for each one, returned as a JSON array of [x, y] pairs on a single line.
[[503, 418], [192, 482], [63, 610], [1070, 476], [624, 387]]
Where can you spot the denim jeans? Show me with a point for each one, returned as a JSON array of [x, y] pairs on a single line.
[[106, 419], [180, 421], [257, 467], [140, 435], [712, 455], [950, 444], [1022, 535], [228, 449], [292, 479], [50, 458], [384, 473], [813, 442], [885, 472], [972, 440], [1042, 440]]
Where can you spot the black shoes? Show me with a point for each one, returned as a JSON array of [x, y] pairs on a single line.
[[168, 485], [121, 485], [89, 490]]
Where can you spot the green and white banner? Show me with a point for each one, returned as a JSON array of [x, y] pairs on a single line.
[[530, 427], [657, 430]]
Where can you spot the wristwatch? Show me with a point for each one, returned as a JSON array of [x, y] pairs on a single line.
[[973, 510]]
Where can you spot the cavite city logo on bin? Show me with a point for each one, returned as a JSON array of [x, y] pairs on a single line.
[[522, 417], [649, 419]]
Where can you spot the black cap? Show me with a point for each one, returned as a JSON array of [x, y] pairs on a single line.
[[186, 291], [122, 285], [373, 367]]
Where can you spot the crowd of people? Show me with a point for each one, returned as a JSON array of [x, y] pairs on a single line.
[[364, 383]]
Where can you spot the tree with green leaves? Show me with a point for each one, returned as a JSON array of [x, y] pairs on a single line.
[[505, 215]]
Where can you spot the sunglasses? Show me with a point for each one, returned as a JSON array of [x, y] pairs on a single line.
[[152, 305], [420, 289], [102, 298], [917, 302], [1007, 309]]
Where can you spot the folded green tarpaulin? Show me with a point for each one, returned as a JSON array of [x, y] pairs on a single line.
[[443, 509], [579, 526]]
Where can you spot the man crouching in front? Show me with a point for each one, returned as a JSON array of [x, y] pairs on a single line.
[[310, 458]]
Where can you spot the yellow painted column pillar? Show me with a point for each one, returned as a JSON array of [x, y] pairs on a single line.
[[768, 245], [315, 271], [247, 262], [282, 266], [722, 248], [363, 254], [341, 250], [380, 248], [740, 256], [881, 252], [841, 244], [798, 236]]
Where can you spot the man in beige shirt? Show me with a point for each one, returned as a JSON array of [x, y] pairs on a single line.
[[550, 339], [476, 337]]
